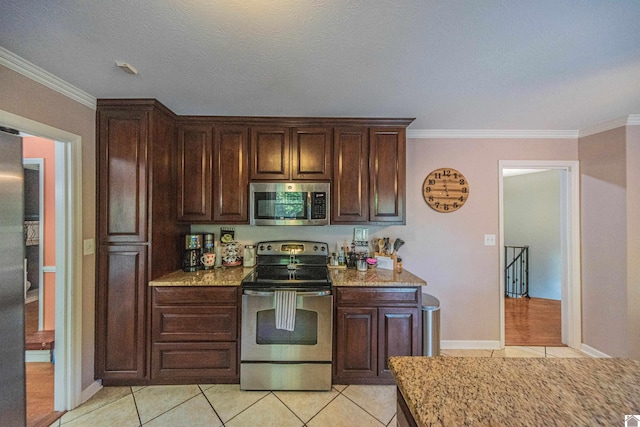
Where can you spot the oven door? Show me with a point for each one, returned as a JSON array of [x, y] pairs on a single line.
[[310, 341]]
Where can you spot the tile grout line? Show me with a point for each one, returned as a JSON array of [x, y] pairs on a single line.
[[371, 415], [225, 422], [210, 404], [135, 403]]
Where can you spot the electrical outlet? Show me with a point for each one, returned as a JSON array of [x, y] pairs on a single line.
[[489, 239], [88, 247]]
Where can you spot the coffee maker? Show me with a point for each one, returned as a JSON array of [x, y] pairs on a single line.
[[192, 252]]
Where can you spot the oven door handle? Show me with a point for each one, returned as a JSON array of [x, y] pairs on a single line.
[[298, 293]]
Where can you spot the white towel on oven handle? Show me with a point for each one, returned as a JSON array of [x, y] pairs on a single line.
[[285, 310]]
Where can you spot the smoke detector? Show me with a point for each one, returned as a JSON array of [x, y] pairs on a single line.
[[127, 68]]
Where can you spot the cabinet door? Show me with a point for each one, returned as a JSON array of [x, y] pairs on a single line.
[[398, 335], [122, 177], [270, 153], [231, 170], [356, 342], [194, 172], [121, 313], [311, 154], [350, 192], [387, 164]]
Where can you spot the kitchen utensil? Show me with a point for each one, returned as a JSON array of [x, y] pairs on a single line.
[[397, 245], [381, 245]]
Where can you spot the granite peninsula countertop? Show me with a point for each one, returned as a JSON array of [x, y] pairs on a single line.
[[450, 391], [232, 276]]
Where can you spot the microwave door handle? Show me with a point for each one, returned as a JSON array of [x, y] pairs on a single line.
[[309, 206]]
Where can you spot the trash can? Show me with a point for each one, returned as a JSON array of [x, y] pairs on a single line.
[[430, 325]]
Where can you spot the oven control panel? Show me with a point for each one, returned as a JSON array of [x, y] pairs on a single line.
[[287, 247]]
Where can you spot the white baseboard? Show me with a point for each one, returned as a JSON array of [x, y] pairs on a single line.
[[469, 345], [93, 388], [38, 356], [593, 352]]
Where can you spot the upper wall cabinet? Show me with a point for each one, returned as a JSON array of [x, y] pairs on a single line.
[[369, 168], [387, 175], [195, 144], [286, 153], [213, 173]]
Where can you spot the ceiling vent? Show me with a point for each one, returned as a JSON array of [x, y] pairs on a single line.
[[126, 67]]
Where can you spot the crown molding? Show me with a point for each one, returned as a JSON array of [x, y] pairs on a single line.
[[630, 120], [491, 133], [35, 73]]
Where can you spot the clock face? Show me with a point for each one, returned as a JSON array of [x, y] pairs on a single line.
[[445, 190]]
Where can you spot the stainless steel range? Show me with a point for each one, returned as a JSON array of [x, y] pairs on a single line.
[[287, 318]]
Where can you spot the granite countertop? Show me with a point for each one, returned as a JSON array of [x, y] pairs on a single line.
[[374, 277], [224, 276], [513, 391], [232, 276]]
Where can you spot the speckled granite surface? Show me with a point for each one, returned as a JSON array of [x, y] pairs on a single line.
[[224, 276], [452, 391], [230, 276], [375, 277]]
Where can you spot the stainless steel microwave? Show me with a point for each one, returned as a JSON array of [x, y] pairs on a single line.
[[289, 203]]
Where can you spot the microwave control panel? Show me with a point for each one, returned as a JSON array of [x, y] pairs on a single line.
[[318, 205]]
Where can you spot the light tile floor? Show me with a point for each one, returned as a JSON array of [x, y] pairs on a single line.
[[226, 405]]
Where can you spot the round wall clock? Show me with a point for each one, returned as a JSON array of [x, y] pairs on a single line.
[[445, 190]]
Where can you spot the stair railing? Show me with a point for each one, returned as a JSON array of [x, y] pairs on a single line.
[[516, 272]]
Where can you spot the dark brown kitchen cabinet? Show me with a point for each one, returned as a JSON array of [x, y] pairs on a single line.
[[195, 334], [350, 192], [369, 173], [194, 173], [138, 237], [284, 153], [387, 170], [213, 172], [120, 315], [231, 174], [371, 325]]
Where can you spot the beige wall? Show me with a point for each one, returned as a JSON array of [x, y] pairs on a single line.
[[604, 241], [633, 240], [447, 250], [26, 98]]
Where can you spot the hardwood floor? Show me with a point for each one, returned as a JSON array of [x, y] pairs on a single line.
[[532, 322], [39, 376]]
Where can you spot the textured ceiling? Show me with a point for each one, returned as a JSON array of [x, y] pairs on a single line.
[[452, 64]]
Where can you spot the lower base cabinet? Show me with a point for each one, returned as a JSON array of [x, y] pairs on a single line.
[[195, 335], [371, 325]]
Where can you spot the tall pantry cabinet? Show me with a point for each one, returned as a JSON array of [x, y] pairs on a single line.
[[138, 237]]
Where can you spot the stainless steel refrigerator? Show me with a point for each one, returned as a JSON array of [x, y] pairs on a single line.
[[12, 368]]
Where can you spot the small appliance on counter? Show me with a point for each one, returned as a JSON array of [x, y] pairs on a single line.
[[231, 257], [192, 252]]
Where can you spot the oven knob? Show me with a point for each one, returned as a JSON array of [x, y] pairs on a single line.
[[269, 247], [322, 248], [261, 247], [315, 248]]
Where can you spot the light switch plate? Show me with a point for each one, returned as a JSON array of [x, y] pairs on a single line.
[[489, 239], [89, 247]]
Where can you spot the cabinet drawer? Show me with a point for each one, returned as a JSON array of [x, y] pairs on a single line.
[[195, 295], [195, 324], [195, 361], [375, 296]]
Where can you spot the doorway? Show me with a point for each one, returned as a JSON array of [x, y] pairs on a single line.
[[569, 251], [68, 263]]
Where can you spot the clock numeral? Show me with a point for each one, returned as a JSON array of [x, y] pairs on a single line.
[[464, 190], [437, 175], [437, 204], [446, 207], [446, 172], [455, 205], [461, 182], [427, 189], [432, 182], [431, 198], [461, 198]]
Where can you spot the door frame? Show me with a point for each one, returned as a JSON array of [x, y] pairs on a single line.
[[68, 323], [570, 243]]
